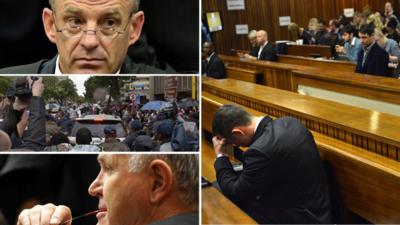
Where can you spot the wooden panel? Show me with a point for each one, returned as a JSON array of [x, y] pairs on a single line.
[[264, 14], [278, 75], [217, 209], [243, 74], [321, 74], [310, 50], [324, 64], [317, 114], [371, 87], [367, 183]]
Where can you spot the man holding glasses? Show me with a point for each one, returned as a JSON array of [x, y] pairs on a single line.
[[92, 36]]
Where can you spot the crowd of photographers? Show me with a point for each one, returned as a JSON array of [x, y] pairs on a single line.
[[26, 124]]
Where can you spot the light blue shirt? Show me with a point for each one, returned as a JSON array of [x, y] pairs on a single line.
[[392, 48], [352, 49]]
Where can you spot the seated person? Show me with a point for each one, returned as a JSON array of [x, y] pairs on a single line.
[[252, 36], [352, 44], [212, 64], [299, 33], [266, 51], [283, 179], [90, 38], [389, 45], [371, 59]]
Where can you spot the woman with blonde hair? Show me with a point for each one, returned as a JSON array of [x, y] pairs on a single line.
[[297, 33], [375, 19], [389, 45]]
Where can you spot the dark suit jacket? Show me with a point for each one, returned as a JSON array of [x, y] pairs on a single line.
[[181, 219], [376, 62], [268, 53], [49, 67], [283, 180], [254, 51], [215, 67]]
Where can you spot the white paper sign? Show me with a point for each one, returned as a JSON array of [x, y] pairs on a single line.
[[235, 4], [349, 12], [284, 21], [242, 29]]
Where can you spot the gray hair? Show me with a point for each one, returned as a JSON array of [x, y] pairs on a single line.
[[135, 7], [252, 34], [185, 168]]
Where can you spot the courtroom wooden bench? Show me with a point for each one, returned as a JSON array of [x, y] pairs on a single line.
[[372, 87], [288, 76], [323, 64], [310, 50], [254, 76], [368, 184], [275, 74]]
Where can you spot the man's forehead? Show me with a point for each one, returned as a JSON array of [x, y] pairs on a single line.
[[111, 158], [95, 3]]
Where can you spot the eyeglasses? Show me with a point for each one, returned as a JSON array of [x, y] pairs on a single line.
[[74, 28]]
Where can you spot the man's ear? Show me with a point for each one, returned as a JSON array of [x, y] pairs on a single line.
[[237, 131], [162, 180], [136, 26], [48, 24]]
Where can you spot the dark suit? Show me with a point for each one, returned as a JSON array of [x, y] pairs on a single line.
[[215, 67], [181, 219], [376, 62], [254, 51], [49, 67], [283, 180], [268, 53]]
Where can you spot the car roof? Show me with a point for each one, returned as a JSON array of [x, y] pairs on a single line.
[[103, 117]]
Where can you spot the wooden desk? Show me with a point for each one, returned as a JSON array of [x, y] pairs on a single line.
[[367, 184], [207, 161], [275, 74], [217, 209], [338, 78], [236, 73], [367, 86], [324, 64], [309, 50], [369, 130]]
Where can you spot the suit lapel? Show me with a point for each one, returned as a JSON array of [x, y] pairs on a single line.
[[260, 129], [48, 67]]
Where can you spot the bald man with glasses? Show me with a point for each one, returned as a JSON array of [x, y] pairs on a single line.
[[92, 37]]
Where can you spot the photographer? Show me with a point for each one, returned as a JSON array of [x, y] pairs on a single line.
[[27, 111]]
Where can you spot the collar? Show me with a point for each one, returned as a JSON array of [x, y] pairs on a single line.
[[258, 123], [209, 57], [58, 71], [353, 42], [265, 44], [369, 47]]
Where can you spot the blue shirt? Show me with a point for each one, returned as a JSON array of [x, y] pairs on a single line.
[[352, 49]]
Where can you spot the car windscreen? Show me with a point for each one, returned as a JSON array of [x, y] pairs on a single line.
[[97, 128]]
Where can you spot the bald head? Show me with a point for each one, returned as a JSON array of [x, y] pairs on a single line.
[[262, 37], [208, 48], [134, 2], [5, 142]]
